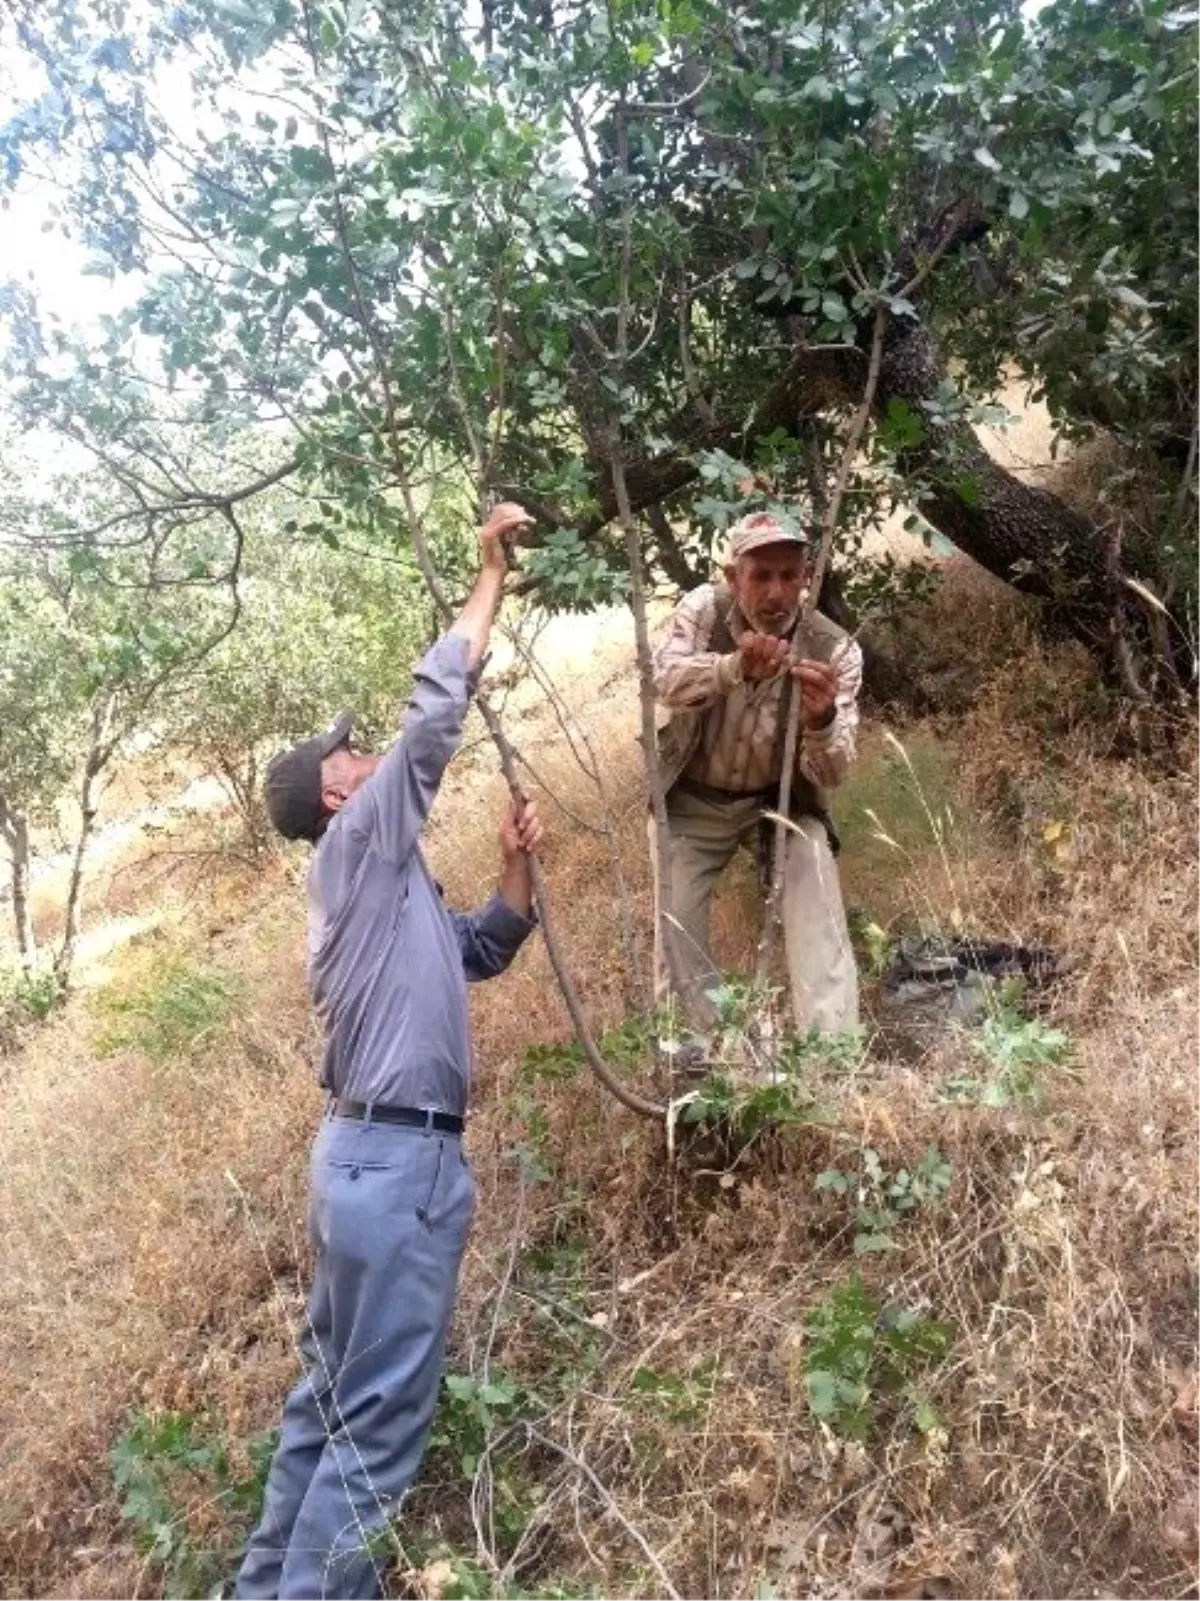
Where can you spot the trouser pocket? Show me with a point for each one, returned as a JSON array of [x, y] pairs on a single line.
[[425, 1205]]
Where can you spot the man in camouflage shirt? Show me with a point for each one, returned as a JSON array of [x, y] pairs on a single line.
[[722, 675]]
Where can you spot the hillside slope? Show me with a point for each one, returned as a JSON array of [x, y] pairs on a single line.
[[633, 1406]]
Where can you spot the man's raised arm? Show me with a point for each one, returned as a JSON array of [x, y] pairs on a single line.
[[474, 622], [403, 789]]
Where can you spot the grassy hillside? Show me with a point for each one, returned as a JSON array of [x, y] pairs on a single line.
[[670, 1373]]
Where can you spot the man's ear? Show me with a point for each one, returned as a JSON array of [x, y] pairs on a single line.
[[333, 797], [730, 571]]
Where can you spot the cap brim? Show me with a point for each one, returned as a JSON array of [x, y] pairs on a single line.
[[773, 538], [338, 733]]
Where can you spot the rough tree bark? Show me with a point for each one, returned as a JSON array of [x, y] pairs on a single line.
[[14, 826], [100, 750], [1027, 536]]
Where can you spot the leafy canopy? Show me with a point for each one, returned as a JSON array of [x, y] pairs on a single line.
[[399, 242]]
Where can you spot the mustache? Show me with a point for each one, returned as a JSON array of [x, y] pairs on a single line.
[[772, 619]]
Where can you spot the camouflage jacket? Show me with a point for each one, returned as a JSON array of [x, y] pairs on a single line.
[[727, 734]]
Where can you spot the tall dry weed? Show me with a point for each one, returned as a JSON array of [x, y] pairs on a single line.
[[653, 1311]]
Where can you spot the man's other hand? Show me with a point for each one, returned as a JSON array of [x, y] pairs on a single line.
[[818, 693], [763, 655], [520, 830], [503, 520]]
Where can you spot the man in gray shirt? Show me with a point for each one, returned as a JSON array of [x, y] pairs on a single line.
[[391, 1194]]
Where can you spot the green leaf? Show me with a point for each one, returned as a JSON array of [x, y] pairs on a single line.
[[926, 1416], [866, 1244], [833, 1179], [1018, 205], [985, 158], [822, 1390], [1130, 297]]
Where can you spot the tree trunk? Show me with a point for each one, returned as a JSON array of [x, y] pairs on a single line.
[[14, 825], [100, 751], [1025, 536]]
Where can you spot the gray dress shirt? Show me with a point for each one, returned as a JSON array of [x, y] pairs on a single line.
[[388, 962]]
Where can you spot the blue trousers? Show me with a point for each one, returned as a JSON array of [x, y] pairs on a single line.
[[390, 1210]]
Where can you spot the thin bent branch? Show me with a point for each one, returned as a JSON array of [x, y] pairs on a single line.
[[825, 549], [508, 765]]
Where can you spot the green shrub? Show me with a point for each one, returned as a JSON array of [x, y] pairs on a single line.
[[170, 1011], [163, 1465], [858, 1350], [884, 1198], [1019, 1052], [25, 998]]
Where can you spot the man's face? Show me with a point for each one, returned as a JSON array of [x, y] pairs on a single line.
[[767, 585], [342, 772]]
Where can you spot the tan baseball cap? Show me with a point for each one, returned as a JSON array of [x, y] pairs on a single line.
[[764, 528]]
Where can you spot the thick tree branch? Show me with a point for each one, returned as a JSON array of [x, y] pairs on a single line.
[[812, 380]]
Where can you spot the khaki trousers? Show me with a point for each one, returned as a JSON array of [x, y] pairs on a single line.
[[705, 837]]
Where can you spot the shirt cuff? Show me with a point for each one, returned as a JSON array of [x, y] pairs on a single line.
[[505, 923]]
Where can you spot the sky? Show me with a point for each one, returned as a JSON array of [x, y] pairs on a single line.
[[35, 250]]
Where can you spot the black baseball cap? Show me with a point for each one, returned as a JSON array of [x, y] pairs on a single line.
[[294, 782]]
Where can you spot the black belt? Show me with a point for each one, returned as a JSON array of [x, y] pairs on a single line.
[[408, 1116]]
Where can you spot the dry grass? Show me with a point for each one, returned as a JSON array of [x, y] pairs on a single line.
[[151, 1211]]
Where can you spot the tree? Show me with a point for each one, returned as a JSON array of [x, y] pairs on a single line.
[[401, 237], [91, 641], [316, 636], [42, 690]]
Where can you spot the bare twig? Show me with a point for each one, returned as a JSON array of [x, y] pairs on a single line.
[[690, 376], [198, 500], [585, 1470], [628, 1098], [667, 108], [99, 751], [961, 217], [587, 760], [580, 130], [1186, 485], [637, 576]]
